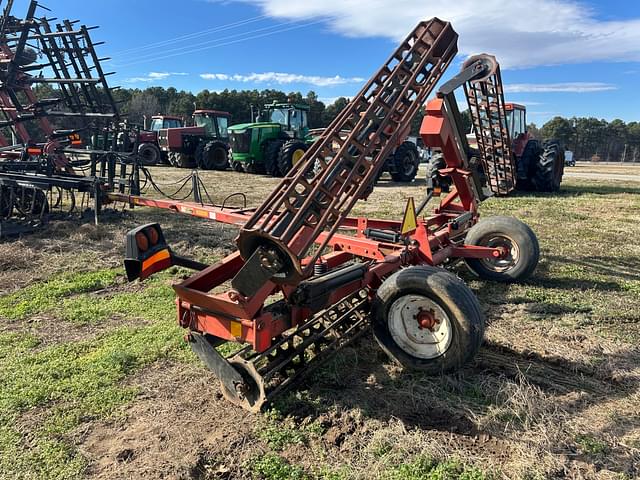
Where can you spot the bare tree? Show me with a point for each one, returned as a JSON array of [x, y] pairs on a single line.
[[142, 104]]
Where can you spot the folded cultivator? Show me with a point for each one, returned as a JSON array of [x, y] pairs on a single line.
[[307, 279], [48, 144]]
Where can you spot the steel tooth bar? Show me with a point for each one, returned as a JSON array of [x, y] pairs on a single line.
[[299, 352], [339, 169], [488, 114]]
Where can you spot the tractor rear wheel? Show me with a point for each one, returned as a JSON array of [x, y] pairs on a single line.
[[436, 164], [405, 162], [271, 154], [149, 154], [6, 203], [181, 160], [526, 165], [290, 154], [521, 249], [212, 156], [425, 318], [549, 168]]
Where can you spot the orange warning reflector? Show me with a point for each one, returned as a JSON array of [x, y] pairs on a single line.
[[34, 151], [409, 222], [155, 258]]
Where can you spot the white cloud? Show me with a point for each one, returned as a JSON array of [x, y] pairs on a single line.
[[155, 77], [569, 87], [519, 32], [283, 78]]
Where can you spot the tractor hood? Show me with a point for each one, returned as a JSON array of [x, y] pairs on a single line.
[[244, 126]]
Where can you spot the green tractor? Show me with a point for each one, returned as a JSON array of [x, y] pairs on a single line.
[[272, 146]]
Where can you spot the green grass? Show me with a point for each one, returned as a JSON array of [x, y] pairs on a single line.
[[62, 386], [592, 446], [426, 468], [43, 296], [274, 467], [274, 430]]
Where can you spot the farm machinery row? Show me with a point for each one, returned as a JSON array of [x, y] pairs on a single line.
[[307, 279], [54, 148]]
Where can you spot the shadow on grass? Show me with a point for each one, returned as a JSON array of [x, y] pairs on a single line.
[[361, 377]]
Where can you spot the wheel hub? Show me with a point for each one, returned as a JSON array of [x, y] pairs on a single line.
[[420, 326]]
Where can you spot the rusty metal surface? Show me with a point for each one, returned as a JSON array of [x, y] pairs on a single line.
[[340, 169], [485, 97]]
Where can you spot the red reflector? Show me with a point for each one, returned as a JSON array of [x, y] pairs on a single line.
[[152, 235], [142, 241]]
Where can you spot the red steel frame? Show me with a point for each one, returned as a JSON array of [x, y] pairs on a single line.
[[437, 239]]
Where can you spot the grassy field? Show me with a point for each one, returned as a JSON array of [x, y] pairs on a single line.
[[96, 381]]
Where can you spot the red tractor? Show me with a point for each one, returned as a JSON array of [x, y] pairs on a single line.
[[539, 166], [204, 145], [148, 149]]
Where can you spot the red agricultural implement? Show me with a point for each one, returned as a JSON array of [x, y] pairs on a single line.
[[307, 279], [47, 144]]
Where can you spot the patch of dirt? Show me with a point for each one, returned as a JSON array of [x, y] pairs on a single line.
[[163, 434], [53, 331]]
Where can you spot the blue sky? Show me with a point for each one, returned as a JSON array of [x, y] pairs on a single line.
[[560, 57]]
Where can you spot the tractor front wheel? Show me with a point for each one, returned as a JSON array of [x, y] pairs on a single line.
[[271, 155], [425, 318], [212, 155], [521, 251], [149, 154], [405, 163], [290, 154], [181, 160]]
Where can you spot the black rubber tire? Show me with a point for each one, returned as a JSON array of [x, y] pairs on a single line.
[[285, 156], [271, 153], [6, 204], [549, 168], [453, 296], [237, 166], [213, 155], [181, 160], [436, 164], [526, 165], [149, 154], [405, 163], [517, 233]]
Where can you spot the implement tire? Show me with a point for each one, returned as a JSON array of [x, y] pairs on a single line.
[[513, 235], [427, 319]]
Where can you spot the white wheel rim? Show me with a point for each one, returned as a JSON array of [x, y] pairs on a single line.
[[505, 262], [414, 338]]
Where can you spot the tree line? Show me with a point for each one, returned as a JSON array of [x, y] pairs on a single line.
[[588, 138], [593, 139]]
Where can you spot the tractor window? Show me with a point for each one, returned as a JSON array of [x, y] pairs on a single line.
[[517, 123], [305, 121], [295, 119], [279, 116], [156, 124], [172, 123], [223, 124], [206, 122]]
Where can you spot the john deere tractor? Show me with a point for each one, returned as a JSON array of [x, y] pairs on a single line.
[[274, 145]]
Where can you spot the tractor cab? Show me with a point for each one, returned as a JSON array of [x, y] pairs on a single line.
[[292, 117], [158, 122], [214, 122], [516, 120]]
